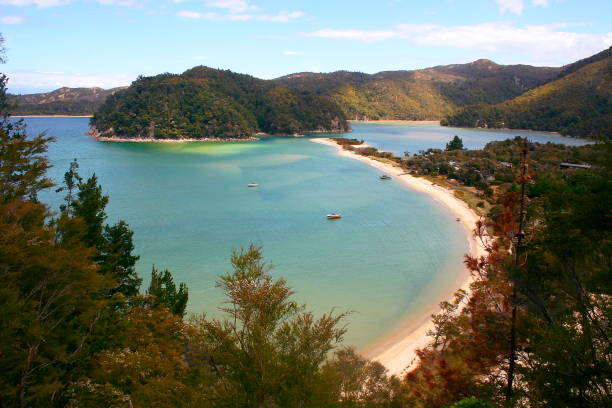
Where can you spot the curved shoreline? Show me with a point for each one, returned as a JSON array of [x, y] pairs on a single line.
[[397, 349]]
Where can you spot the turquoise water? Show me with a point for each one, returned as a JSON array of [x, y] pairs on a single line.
[[398, 137], [394, 252]]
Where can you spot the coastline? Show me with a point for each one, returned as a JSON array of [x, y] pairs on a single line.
[[397, 350], [147, 140], [394, 121], [51, 116]]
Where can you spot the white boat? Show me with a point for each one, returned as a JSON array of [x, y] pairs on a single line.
[[385, 177], [253, 185], [334, 216]]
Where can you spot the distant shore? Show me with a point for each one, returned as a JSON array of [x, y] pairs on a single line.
[[51, 116], [394, 121], [148, 140], [397, 350]]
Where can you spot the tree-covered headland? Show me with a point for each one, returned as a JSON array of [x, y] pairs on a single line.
[[206, 103]]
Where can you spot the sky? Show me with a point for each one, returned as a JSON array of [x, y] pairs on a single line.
[[108, 43]]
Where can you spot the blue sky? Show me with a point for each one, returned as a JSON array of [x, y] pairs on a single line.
[[107, 43]]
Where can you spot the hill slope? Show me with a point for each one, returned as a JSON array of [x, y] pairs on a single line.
[[62, 101], [208, 103], [579, 103], [430, 93]]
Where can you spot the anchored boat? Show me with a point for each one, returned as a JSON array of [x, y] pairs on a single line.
[[333, 216], [385, 177], [253, 185]]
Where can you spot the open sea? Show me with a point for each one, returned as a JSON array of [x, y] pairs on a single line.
[[394, 253]]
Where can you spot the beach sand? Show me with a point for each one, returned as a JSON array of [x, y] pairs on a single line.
[[397, 350]]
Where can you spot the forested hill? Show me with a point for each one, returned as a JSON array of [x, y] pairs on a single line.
[[578, 103], [62, 101], [429, 93], [208, 103]]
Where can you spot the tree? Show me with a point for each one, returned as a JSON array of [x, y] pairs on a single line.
[[83, 217], [72, 179], [90, 205], [164, 292], [269, 351], [116, 260], [455, 144], [362, 383]]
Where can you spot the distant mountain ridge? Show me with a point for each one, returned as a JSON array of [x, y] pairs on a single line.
[[62, 101], [430, 93], [577, 103], [573, 99]]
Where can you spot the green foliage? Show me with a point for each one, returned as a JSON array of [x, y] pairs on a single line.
[[22, 161], [269, 350], [164, 292], [207, 103], [90, 206], [455, 144], [363, 383], [472, 402], [116, 259]]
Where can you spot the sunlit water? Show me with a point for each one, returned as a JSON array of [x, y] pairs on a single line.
[[394, 252]]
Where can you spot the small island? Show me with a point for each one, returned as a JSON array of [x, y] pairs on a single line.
[[210, 104]]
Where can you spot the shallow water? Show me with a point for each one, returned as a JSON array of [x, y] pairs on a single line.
[[393, 253]]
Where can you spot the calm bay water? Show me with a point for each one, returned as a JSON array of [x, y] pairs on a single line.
[[394, 252], [400, 137]]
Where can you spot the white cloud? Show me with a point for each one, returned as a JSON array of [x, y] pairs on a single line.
[[535, 42], [234, 6], [120, 3], [37, 3], [281, 17], [512, 6], [358, 35], [542, 3], [12, 20], [23, 82], [215, 16]]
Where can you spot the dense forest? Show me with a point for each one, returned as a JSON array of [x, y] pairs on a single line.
[[577, 103], [209, 103]]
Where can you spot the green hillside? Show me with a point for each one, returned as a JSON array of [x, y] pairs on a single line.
[[576, 104], [430, 93], [207, 103]]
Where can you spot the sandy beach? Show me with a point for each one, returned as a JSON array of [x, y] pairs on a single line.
[[396, 350]]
